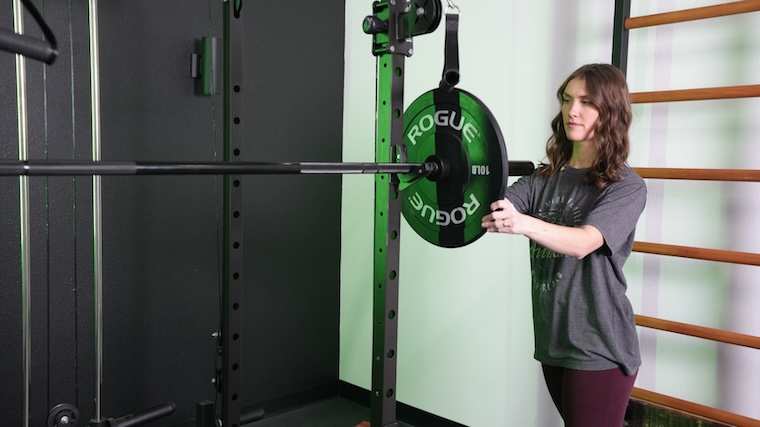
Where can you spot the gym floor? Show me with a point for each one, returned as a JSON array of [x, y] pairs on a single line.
[[336, 412], [340, 412]]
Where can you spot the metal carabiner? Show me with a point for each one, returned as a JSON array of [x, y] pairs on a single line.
[[453, 6]]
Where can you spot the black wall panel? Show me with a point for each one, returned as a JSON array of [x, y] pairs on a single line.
[[294, 112], [162, 236]]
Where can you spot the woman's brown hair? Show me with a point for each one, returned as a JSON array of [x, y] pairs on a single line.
[[608, 91]]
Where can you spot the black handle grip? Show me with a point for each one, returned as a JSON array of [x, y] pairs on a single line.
[[45, 51], [521, 167], [27, 46]]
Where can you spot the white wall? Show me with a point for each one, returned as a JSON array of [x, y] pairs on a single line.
[[465, 341]]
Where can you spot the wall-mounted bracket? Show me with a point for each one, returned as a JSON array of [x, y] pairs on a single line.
[[206, 66]]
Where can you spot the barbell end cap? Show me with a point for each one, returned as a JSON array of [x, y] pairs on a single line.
[[437, 168], [521, 168], [374, 25]]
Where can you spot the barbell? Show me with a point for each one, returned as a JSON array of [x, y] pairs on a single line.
[[432, 169], [439, 171], [452, 164]]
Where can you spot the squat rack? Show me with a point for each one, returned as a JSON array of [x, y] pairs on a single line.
[[392, 25]]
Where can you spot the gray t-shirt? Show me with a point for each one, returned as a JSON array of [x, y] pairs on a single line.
[[581, 316]]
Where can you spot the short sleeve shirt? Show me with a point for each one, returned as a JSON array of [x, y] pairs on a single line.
[[581, 316]]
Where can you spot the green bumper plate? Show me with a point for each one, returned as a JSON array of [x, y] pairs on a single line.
[[459, 131]]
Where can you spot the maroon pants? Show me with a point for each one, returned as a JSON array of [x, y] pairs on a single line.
[[589, 398]]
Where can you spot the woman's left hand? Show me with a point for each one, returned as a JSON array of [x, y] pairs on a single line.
[[504, 218]]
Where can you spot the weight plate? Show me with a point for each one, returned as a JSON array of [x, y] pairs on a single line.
[[63, 415], [458, 130]]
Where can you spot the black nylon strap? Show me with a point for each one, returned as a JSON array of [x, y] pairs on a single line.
[[451, 65]]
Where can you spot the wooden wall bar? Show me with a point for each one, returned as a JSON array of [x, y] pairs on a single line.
[[693, 14], [701, 94], [694, 408], [696, 94], [751, 175], [720, 335], [734, 257]]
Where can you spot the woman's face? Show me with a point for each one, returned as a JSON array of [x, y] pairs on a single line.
[[579, 115]]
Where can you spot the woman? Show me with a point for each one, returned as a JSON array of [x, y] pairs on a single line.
[[579, 210]]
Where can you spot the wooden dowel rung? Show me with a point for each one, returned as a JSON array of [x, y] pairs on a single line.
[[698, 253], [727, 92], [751, 175], [719, 335], [713, 414], [685, 15]]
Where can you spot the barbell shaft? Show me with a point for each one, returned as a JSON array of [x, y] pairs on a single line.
[[75, 167]]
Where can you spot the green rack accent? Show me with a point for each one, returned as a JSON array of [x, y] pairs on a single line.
[[389, 129]]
